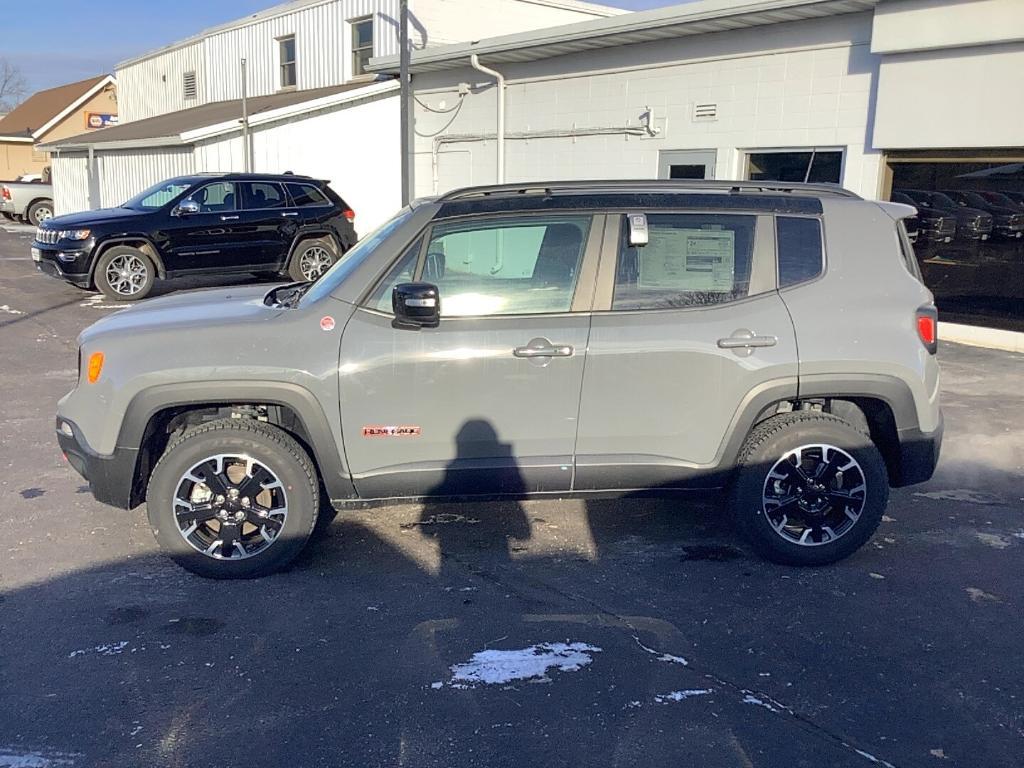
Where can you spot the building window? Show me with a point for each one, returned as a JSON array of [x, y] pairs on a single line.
[[286, 59], [189, 88], [813, 165], [362, 45]]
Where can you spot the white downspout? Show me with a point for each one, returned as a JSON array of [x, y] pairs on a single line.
[[499, 78]]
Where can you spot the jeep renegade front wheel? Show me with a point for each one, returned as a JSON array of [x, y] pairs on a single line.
[[810, 489], [233, 499]]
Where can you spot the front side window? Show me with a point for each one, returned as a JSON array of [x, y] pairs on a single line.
[[509, 266], [362, 45], [257, 195], [215, 198], [689, 260], [306, 194], [286, 59], [798, 244]]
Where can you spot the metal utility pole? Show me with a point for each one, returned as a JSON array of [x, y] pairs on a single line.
[[404, 96], [247, 165]]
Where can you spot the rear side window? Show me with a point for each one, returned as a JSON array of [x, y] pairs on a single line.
[[262, 194], [306, 194], [798, 241], [907, 251], [689, 260]]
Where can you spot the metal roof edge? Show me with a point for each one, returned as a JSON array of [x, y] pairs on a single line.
[[625, 24], [159, 141], [99, 85]]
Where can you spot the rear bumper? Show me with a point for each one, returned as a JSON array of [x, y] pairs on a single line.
[[110, 477], [919, 454]]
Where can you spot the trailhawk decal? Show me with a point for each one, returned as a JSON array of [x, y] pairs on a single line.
[[377, 431]]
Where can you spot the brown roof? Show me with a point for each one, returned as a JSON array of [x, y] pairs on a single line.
[[173, 124], [41, 107]]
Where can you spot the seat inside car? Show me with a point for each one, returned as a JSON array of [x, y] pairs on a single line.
[[558, 256]]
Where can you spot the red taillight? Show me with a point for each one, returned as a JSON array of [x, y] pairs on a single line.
[[5, 192], [349, 214], [928, 328]]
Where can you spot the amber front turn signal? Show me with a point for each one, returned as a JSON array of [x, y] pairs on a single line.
[[95, 367]]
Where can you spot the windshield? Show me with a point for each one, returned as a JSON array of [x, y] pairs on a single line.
[[336, 275], [158, 195], [940, 200], [1000, 198]]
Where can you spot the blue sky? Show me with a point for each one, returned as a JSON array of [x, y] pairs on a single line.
[[74, 40]]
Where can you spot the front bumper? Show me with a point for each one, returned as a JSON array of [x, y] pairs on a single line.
[[75, 270], [110, 477], [919, 454]]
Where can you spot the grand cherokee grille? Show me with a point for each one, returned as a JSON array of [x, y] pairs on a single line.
[[50, 236]]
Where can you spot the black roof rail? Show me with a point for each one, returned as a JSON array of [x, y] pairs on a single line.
[[548, 189]]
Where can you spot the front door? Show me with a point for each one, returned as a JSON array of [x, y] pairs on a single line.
[[487, 402], [212, 239], [686, 164], [686, 329]]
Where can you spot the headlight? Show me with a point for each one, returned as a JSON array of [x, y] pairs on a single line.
[[75, 234]]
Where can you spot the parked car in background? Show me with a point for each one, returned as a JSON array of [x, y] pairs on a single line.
[[27, 201], [1002, 199], [1007, 221], [477, 344], [971, 223], [1017, 197], [932, 225], [218, 224]]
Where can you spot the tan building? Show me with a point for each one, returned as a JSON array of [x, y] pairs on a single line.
[[53, 114]]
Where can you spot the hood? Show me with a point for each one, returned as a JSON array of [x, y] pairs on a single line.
[[85, 219], [242, 305], [967, 212]]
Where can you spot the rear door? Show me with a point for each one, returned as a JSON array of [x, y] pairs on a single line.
[[487, 402], [688, 331], [266, 226]]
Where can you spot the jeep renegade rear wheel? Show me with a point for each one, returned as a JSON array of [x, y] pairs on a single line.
[[233, 499], [810, 489]]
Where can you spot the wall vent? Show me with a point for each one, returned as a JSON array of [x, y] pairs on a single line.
[[189, 86], [705, 111]]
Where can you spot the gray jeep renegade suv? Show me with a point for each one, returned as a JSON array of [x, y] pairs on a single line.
[[549, 340]]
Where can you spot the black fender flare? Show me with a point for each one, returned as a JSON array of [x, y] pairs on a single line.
[[149, 402], [313, 234], [107, 242]]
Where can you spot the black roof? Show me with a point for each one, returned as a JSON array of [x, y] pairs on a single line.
[[233, 176]]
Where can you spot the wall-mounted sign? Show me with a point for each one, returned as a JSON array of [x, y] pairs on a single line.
[[99, 120]]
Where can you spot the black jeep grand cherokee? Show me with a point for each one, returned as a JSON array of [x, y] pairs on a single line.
[[204, 224]]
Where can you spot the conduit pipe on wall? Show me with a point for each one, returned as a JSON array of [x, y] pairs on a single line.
[[499, 79]]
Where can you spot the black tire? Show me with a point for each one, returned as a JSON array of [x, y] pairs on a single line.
[[322, 250], [758, 501], [39, 211], [268, 446], [6, 215], [138, 265]]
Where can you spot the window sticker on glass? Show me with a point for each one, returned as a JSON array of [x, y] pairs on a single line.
[[700, 259]]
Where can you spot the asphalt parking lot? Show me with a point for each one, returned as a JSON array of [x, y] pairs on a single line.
[[391, 642]]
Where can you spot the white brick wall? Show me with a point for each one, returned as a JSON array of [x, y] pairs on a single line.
[[787, 85]]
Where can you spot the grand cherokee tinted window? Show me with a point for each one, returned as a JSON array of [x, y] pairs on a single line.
[[263, 194], [306, 194]]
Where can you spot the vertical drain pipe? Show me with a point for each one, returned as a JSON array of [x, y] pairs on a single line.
[[499, 78]]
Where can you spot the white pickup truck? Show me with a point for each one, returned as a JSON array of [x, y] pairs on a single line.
[[28, 199]]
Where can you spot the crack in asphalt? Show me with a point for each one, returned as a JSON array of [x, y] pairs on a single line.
[[806, 722]]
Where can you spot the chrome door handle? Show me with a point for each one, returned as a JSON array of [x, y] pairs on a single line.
[[559, 350], [290, 213], [747, 340], [228, 218]]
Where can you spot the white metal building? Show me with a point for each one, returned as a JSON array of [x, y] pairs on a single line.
[[729, 89], [314, 110]]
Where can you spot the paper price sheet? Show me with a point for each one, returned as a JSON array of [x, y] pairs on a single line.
[[689, 259]]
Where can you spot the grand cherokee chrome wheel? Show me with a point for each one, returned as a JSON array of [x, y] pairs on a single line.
[[312, 259], [124, 274]]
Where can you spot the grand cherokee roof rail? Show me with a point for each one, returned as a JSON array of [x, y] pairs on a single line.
[[548, 189]]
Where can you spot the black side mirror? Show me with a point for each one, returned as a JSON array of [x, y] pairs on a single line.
[[416, 305]]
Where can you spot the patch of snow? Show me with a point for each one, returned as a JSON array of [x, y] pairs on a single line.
[[8, 311], [874, 575], [437, 686], [17, 758], [980, 595], [673, 659], [106, 649], [494, 667], [994, 540], [751, 699], [873, 759], [664, 698], [960, 494], [97, 302], [632, 705]]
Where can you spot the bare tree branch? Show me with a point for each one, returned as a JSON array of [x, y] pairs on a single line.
[[13, 86]]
